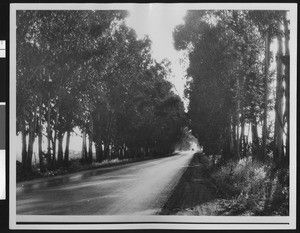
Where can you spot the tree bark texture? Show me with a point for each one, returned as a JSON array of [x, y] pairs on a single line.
[[67, 151], [263, 154], [278, 133]]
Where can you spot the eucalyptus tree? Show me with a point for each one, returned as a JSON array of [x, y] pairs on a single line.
[[225, 66], [286, 62], [59, 42], [30, 61], [267, 23], [209, 106], [89, 70]]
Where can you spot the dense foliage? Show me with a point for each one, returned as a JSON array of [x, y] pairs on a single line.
[[231, 87], [88, 70]]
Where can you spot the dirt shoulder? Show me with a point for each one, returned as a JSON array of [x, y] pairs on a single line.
[[195, 193]]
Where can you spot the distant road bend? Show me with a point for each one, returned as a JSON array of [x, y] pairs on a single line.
[[139, 188]]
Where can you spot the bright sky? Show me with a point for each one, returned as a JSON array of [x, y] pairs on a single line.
[[158, 22]]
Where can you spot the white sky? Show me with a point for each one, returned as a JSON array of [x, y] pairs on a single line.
[[158, 22]]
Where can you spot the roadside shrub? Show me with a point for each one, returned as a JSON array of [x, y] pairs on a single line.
[[224, 180], [75, 165], [252, 187], [22, 176]]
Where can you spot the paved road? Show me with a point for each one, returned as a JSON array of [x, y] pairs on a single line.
[[137, 189]]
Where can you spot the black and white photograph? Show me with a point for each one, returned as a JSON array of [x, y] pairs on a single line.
[[153, 116]]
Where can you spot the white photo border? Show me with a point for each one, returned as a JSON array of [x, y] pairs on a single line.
[[153, 222]]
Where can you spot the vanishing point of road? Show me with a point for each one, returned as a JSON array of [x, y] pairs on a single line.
[[140, 188]]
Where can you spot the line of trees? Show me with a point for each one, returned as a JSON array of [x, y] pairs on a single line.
[[88, 70], [231, 90]]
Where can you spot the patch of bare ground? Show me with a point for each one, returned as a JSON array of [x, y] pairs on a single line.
[[195, 193]]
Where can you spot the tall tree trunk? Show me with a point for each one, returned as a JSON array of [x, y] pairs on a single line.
[[106, 150], [53, 162], [99, 151], [242, 138], [232, 135], [90, 155], [40, 138], [24, 148], [238, 106], [97, 148], [124, 151], [84, 149], [54, 140], [66, 160], [263, 154], [255, 140], [49, 133], [226, 153], [287, 89], [278, 134], [32, 130], [90, 159], [60, 155]]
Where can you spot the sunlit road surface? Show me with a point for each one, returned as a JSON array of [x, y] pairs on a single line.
[[131, 189]]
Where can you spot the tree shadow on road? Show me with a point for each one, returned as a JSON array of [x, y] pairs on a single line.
[[194, 188]]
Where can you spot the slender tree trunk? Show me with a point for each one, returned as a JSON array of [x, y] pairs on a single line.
[[106, 150], [266, 97], [287, 89], [32, 129], [60, 154], [97, 147], [242, 138], [238, 106], [40, 138], [24, 148], [66, 160], [49, 133], [226, 153], [41, 157], [90, 150], [90, 155], [255, 140], [54, 140], [248, 135], [234, 136], [278, 134], [54, 150], [125, 151], [99, 151], [84, 149], [40, 135]]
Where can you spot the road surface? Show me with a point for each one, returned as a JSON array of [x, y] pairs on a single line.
[[139, 188]]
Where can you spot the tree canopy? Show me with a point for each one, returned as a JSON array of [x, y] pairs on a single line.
[[88, 70], [229, 91]]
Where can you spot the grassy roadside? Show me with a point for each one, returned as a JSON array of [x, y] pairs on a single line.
[[240, 188]]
